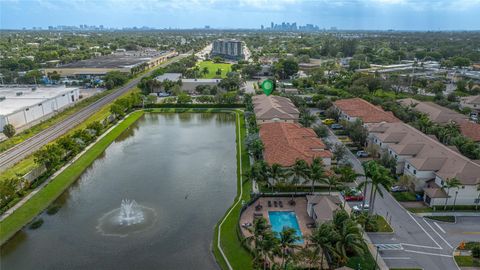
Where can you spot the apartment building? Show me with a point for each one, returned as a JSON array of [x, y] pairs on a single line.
[[430, 163]]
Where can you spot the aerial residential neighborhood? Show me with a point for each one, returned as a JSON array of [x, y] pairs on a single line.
[[240, 135]]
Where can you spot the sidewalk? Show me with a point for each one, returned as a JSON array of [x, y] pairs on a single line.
[[455, 214]]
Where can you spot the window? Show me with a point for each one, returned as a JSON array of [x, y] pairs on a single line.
[[414, 171], [408, 166], [477, 201]]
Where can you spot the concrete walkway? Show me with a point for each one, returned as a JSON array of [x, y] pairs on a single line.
[[455, 214]]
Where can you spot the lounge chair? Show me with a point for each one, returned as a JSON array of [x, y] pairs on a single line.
[[280, 203], [257, 215], [269, 204], [275, 203]]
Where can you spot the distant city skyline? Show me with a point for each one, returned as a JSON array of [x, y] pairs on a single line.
[[248, 14]]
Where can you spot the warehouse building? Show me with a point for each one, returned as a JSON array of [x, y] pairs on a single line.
[[25, 106], [123, 61]]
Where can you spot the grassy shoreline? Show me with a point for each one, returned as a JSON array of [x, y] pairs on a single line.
[[40, 201], [238, 256]]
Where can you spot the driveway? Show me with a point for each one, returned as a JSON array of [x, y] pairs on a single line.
[[416, 241]]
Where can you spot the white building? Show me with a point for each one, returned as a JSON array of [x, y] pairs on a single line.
[[22, 106], [429, 163]]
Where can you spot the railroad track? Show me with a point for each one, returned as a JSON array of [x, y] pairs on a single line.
[[18, 152]]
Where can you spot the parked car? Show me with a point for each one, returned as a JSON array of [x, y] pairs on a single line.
[[362, 154], [328, 121], [336, 126], [352, 195], [399, 189], [358, 208]]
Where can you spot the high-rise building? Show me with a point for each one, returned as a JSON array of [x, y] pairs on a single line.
[[228, 48]]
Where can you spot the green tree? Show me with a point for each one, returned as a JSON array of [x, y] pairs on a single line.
[[8, 189], [184, 98], [306, 118], [205, 71], [9, 130], [287, 239], [298, 171], [316, 172], [276, 173], [50, 156], [320, 240], [349, 240], [449, 184]]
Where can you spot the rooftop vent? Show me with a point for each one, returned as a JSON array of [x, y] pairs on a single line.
[[2, 98], [19, 93], [34, 88]]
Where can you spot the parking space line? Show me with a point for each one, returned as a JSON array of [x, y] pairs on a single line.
[[420, 246], [448, 244], [428, 253], [441, 229], [423, 229]]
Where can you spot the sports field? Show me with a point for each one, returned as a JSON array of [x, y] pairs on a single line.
[[212, 69]]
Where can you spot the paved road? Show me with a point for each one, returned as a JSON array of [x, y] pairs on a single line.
[[416, 242], [29, 146]]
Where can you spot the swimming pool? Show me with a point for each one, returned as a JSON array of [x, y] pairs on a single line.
[[281, 219]]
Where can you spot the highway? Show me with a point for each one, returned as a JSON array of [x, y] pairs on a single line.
[[18, 152]]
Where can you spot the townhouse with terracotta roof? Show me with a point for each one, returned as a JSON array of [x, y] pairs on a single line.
[[429, 162], [356, 108], [472, 102], [284, 143], [274, 109], [441, 115]]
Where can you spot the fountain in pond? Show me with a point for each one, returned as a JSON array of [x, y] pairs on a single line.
[[129, 218], [130, 213]]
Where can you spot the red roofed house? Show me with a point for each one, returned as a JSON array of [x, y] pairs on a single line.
[[284, 143], [357, 108]]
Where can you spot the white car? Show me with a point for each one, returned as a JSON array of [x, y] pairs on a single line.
[[358, 208]]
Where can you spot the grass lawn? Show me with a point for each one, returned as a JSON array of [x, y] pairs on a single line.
[[362, 262], [212, 69], [442, 218], [237, 255], [440, 208], [383, 225], [59, 184], [407, 196], [467, 261]]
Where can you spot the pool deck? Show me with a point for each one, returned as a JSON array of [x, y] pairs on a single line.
[[300, 209]]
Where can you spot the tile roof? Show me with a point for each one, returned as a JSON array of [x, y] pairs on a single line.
[[442, 115], [286, 142], [426, 153], [366, 111], [270, 107]]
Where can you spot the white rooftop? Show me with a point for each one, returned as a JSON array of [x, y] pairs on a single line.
[[11, 100]]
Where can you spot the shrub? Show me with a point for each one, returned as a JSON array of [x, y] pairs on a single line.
[[476, 251], [9, 130]]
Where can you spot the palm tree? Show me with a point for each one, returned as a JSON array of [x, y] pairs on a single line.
[[450, 183], [276, 172], [333, 182], [263, 241], [258, 172], [349, 240], [205, 71], [316, 172], [298, 171], [348, 174], [196, 69], [380, 176], [306, 118], [320, 240], [287, 239], [424, 123]]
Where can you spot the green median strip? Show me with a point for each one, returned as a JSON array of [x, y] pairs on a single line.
[[41, 200]]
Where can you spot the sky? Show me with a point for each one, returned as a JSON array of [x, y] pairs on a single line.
[[343, 14]]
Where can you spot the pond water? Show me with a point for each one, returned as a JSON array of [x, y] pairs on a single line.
[[180, 169]]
